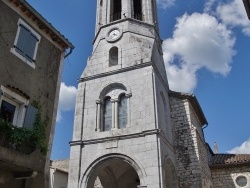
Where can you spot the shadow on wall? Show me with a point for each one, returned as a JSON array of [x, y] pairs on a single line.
[[191, 149]]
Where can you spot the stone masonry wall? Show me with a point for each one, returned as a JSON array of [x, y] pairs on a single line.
[[187, 161], [191, 154], [225, 177], [201, 149]]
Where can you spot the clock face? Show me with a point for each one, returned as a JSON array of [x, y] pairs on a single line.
[[114, 34]]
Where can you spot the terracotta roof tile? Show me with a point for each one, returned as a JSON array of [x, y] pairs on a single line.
[[229, 159]]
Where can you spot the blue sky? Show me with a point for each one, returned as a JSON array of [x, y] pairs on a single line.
[[206, 52]]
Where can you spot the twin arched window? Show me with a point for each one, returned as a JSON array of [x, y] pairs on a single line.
[[113, 110], [116, 9]]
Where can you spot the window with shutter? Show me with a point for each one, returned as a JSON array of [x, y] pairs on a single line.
[[26, 43], [12, 107]]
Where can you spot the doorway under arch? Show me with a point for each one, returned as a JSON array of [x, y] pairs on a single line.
[[113, 173]]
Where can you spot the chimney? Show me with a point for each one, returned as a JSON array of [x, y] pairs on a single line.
[[216, 149]]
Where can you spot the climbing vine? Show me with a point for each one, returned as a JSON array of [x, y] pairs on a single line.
[[18, 137]]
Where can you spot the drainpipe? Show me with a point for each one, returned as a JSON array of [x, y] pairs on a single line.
[[70, 51]]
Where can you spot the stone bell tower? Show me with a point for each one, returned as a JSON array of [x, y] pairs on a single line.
[[122, 131]]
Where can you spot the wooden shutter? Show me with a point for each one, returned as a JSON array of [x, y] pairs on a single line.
[[26, 43], [30, 117], [22, 40]]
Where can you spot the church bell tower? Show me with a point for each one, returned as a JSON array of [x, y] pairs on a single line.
[[122, 130]]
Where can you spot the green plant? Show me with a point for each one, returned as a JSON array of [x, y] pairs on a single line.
[[39, 131], [15, 137]]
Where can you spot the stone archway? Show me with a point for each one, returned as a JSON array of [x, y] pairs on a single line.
[[113, 173]]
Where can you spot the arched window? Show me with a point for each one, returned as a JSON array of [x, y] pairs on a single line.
[[122, 112], [115, 10], [137, 9], [113, 109], [107, 114], [113, 56]]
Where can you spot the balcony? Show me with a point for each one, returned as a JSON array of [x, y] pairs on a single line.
[[19, 157], [19, 139]]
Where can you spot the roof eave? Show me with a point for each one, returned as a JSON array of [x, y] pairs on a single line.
[[45, 22], [229, 165], [194, 102]]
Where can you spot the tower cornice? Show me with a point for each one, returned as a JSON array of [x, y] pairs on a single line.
[[129, 20]]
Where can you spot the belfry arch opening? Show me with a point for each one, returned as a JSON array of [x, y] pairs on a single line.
[[113, 173], [115, 10], [137, 9]]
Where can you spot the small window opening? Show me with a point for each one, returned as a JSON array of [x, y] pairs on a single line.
[[7, 111], [113, 56], [116, 10], [137, 9]]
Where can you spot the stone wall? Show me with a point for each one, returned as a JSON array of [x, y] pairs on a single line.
[[226, 177], [60, 164], [191, 152], [40, 83]]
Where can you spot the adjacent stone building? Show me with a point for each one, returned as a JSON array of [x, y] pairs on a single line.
[[130, 130], [59, 173], [230, 170], [31, 59], [247, 7]]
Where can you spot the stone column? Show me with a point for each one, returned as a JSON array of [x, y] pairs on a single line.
[[126, 9], [114, 113], [98, 116], [128, 95], [145, 11]]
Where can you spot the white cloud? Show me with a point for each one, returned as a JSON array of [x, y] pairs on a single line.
[[244, 148], [208, 5], [165, 3], [232, 14], [199, 41], [67, 99]]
